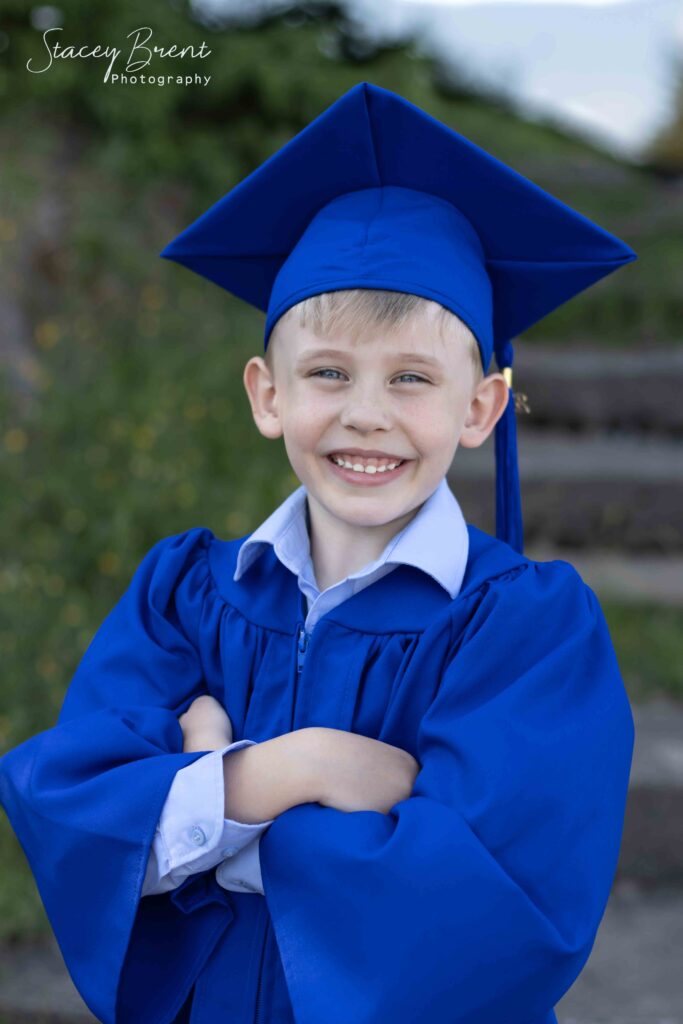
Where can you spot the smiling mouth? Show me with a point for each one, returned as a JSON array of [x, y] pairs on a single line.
[[371, 470]]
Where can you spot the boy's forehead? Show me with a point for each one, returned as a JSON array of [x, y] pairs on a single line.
[[419, 334]]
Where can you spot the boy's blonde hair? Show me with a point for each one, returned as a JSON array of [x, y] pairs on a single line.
[[352, 310]]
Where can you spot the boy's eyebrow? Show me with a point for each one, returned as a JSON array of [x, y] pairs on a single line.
[[332, 353]]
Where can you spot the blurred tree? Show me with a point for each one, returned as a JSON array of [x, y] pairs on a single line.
[[665, 151], [272, 71]]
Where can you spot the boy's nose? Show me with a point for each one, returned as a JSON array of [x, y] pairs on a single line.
[[367, 412]]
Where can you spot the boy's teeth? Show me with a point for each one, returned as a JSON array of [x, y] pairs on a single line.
[[372, 466]]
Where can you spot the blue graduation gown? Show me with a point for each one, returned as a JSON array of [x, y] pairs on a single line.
[[474, 901]]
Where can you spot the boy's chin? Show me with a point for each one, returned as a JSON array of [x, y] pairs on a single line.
[[366, 506]]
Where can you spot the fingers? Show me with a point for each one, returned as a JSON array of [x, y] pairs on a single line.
[[206, 711]]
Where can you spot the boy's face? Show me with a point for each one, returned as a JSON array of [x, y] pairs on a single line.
[[404, 392]]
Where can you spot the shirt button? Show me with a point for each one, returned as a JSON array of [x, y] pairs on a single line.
[[198, 836], [228, 851]]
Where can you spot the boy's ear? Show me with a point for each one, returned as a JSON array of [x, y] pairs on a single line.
[[487, 406], [259, 383]]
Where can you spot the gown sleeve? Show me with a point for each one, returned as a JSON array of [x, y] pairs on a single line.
[[84, 797], [477, 899]]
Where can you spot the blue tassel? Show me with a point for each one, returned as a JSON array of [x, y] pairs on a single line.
[[509, 526]]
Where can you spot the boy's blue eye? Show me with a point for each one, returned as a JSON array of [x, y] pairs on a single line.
[[316, 373], [420, 380]]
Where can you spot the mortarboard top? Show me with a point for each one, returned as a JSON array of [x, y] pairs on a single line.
[[376, 193]]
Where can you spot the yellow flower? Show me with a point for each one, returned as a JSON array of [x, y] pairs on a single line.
[[144, 436], [15, 440], [186, 494], [109, 563], [47, 666], [8, 642], [236, 522], [194, 410], [8, 230], [54, 585], [47, 334], [152, 296], [105, 481], [72, 614]]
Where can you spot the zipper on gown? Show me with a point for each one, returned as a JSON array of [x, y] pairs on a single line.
[[302, 644], [302, 638]]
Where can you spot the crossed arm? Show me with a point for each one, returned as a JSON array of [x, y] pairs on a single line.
[[329, 766]]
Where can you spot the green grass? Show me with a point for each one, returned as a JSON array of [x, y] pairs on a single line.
[[648, 640]]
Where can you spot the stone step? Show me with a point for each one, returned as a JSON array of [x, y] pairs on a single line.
[[633, 973], [584, 386], [611, 490], [557, 455], [621, 576], [35, 986], [652, 845]]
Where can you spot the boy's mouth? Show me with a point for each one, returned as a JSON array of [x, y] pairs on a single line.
[[361, 463], [367, 471]]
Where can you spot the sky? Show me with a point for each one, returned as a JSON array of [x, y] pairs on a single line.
[[603, 67]]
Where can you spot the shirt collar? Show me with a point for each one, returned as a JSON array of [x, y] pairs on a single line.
[[436, 540]]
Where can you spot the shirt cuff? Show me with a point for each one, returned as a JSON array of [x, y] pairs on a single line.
[[193, 833], [242, 872]]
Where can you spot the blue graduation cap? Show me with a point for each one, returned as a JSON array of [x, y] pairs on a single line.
[[375, 193]]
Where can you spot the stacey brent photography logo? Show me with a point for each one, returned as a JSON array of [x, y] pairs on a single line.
[[140, 57]]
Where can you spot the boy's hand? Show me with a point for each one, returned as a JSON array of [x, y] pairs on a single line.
[[205, 725]]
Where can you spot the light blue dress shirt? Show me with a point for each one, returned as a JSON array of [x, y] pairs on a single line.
[[193, 834]]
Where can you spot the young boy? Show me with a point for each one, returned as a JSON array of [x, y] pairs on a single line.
[[451, 404], [424, 823]]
